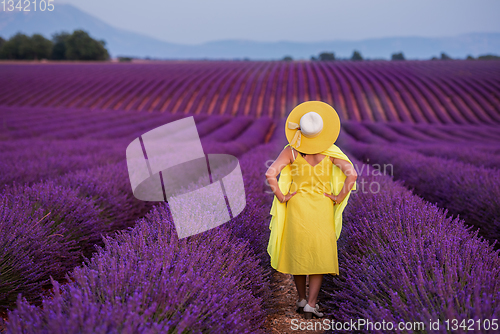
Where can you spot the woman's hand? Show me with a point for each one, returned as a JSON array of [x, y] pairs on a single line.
[[335, 199], [287, 197]]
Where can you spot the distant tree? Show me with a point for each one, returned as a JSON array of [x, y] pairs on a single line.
[[313, 58], [16, 47], [21, 46], [287, 58], [59, 48], [124, 59], [444, 56], [397, 56], [469, 57], [41, 47], [1, 41], [326, 56], [356, 55], [80, 46], [488, 57], [434, 58]]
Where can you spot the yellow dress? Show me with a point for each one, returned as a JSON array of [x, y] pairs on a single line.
[[279, 210], [309, 242]]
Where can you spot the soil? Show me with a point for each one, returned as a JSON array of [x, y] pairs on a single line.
[[284, 301]]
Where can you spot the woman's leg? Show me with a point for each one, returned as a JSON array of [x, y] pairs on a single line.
[[314, 286], [300, 284]]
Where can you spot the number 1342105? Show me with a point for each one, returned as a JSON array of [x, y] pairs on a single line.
[[27, 5]]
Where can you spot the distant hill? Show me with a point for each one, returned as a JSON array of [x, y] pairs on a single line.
[[126, 43]]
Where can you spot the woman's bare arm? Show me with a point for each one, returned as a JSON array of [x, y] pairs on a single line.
[[351, 176], [284, 158]]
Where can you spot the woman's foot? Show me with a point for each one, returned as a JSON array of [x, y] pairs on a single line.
[[310, 312], [300, 305]]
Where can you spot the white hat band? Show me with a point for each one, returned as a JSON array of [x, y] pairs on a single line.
[[311, 125]]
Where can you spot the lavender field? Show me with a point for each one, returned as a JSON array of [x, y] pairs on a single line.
[[445, 92], [79, 254]]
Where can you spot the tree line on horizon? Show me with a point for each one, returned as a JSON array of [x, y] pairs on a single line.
[[63, 46], [356, 56], [80, 46]]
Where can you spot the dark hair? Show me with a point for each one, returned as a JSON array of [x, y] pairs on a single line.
[[302, 153]]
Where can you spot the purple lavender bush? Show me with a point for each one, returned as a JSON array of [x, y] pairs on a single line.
[[403, 259], [46, 229], [29, 161], [361, 133], [253, 223], [109, 188], [466, 190], [433, 140], [146, 280], [230, 130], [256, 133], [487, 156]]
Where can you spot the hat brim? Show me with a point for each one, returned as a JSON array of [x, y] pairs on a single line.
[[327, 136]]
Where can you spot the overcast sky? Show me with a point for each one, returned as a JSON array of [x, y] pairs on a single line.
[[198, 21]]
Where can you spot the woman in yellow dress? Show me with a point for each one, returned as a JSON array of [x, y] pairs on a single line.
[[315, 181]]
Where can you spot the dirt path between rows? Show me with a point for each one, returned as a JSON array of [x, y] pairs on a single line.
[[285, 319]]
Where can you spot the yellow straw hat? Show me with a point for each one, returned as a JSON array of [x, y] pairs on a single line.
[[312, 127]]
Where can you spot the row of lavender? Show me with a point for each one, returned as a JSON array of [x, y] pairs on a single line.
[[79, 133], [58, 196], [404, 261], [48, 227], [67, 192], [146, 280], [458, 92], [463, 177], [50, 123], [476, 145], [40, 143]]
